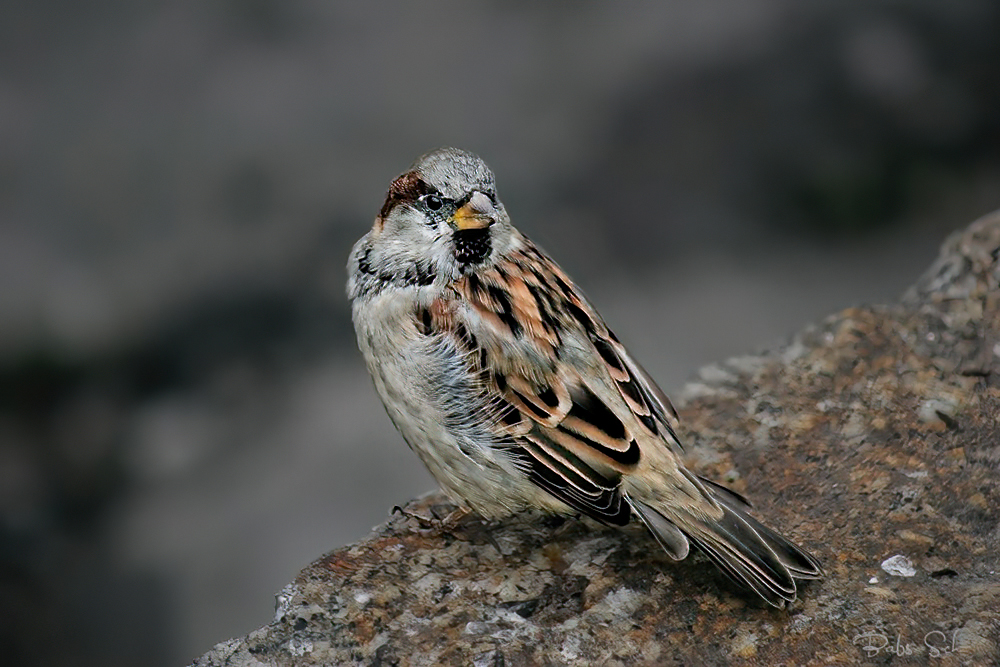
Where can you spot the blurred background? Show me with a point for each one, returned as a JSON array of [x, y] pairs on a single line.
[[184, 418]]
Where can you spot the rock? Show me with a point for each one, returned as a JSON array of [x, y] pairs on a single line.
[[882, 444]]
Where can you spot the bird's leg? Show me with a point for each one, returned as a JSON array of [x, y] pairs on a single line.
[[436, 522], [470, 525], [461, 523], [424, 521]]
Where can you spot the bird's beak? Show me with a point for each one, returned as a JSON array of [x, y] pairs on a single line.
[[477, 213]]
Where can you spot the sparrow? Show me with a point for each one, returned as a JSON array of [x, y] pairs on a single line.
[[515, 394]]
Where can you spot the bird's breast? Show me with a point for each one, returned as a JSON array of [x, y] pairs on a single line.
[[422, 377]]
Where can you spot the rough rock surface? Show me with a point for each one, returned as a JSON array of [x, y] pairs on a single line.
[[872, 439]]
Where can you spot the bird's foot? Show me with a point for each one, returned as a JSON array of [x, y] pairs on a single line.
[[461, 523]]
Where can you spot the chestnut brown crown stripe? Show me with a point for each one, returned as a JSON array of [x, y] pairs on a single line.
[[404, 190]]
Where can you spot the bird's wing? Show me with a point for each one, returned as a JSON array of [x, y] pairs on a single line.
[[566, 399]]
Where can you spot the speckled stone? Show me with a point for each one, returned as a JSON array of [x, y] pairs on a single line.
[[871, 435]]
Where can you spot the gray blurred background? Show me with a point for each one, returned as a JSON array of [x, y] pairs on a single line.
[[184, 419]]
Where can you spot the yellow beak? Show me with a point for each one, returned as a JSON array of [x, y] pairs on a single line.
[[477, 213]]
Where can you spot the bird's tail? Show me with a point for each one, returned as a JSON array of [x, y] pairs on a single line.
[[747, 551]]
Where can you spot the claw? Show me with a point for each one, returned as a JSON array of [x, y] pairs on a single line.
[[461, 523]]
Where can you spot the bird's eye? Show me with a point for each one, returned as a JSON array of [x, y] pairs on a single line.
[[432, 201]]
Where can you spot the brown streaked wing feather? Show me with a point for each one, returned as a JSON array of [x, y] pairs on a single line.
[[563, 454], [567, 439], [644, 398], [555, 398], [659, 405], [578, 485]]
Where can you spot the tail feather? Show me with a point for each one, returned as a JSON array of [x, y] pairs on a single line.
[[739, 551], [748, 552], [719, 492], [670, 537], [800, 563]]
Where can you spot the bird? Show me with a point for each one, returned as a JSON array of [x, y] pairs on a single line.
[[506, 382]]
